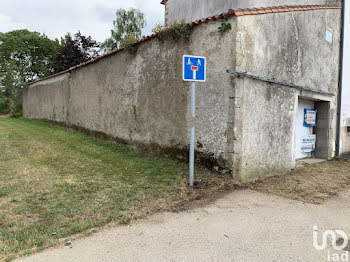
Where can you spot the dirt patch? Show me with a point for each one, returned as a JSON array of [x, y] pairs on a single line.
[[206, 191], [310, 183]]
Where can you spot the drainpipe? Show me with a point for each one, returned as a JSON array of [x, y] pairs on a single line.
[[340, 91]]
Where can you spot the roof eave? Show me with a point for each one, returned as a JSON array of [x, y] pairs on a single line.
[[237, 12]]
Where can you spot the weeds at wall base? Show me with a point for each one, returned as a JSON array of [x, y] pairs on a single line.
[[203, 159]]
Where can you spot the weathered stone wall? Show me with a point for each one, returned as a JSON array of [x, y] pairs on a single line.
[[242, 124], [192, 10], [140, 96], [290, 48], [48, 99]]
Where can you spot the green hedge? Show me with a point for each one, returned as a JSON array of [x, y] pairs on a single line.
[[17, 111], [3, 106]]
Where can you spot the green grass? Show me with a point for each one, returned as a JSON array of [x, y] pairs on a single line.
[[56, 182]]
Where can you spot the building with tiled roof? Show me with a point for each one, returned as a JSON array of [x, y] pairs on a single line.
[[191, 10]]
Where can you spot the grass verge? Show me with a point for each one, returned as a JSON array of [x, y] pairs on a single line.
[[56, 182], [311, 183]]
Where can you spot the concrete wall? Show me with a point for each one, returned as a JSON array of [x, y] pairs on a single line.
[[49, 100], [244, 125], [345, 140], [191, 10], [286, 48], [141, 98], [345, 135]]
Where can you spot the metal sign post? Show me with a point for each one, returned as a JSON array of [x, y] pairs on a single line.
[[194, 70], [193, 132]]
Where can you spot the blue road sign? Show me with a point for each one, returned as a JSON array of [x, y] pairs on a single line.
[[194, 68]]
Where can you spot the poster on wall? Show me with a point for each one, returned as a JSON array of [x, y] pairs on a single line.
[[308, 144], [310, 117]]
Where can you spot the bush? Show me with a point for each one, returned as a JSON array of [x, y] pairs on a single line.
[[3, 106], [17, 112], [181, 30], [128, 42], [15, 108], [160, 31], [175, 30]]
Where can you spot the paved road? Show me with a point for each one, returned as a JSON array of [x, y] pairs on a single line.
[[243, 226]]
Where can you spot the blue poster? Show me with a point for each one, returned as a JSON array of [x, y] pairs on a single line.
[[310, 117]]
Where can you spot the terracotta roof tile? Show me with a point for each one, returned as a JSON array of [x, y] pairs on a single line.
[[239, 13], [230, 13], [254, 11], [247, 12], [262, 11]]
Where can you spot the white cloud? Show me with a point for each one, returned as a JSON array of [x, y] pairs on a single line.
[[7, 24], [56, 18]]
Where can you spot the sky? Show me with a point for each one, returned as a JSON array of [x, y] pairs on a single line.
[[56, 18], [346, 75]]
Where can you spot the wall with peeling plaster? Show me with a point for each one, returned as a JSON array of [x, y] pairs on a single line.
[[291, 48], [138, 96], [244, 126]]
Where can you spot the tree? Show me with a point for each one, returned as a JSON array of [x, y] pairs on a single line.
[[28, 53], [74, 51], [24, 57], [128, 25]]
